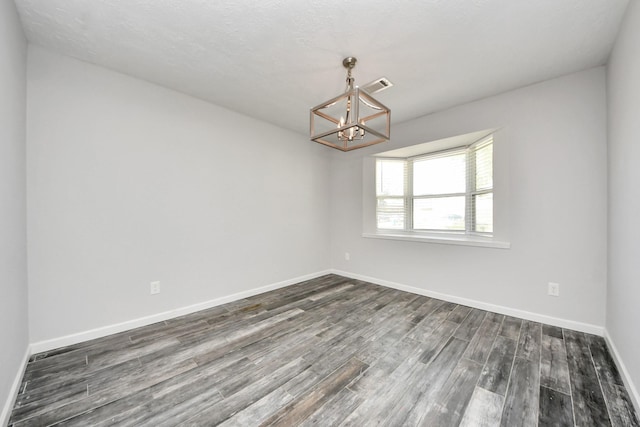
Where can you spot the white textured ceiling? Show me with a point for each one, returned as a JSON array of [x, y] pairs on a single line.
[[275, 59]]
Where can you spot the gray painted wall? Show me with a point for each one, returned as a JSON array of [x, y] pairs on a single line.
[[553, 178], [623, 295], [13, 264], [131, 183]]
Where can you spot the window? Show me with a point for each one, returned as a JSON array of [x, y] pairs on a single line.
[[444, 192]]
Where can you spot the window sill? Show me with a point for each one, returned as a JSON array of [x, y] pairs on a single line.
[[463, 240]]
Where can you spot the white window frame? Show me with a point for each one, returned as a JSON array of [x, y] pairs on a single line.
[[469, 237]]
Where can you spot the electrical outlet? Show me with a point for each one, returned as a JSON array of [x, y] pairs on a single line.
[[154, 288], [347, 256], [554, 289]]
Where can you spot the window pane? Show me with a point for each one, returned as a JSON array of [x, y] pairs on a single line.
[[484, 167], [484, 212], [390, 213], [439, 175], [390, 177], [441, 213]]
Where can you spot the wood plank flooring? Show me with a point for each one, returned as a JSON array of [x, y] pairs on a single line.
[[332, 352]]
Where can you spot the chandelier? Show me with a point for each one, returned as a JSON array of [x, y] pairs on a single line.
[[351, 120]]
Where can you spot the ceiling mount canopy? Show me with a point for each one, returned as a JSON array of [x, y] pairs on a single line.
[[351, 120]]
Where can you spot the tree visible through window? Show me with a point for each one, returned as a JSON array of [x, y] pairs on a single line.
[[449, 191]]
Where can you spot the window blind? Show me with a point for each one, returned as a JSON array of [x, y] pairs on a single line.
[[391, 189], [480, 176], [450, 191], [439, 191]]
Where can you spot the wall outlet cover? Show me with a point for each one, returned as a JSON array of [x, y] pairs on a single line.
[[554, 289], [154, 288]]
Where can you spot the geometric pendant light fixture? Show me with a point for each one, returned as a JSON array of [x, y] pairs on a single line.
[[351, 120]]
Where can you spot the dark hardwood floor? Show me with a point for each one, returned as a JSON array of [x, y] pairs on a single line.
[[330, 351]]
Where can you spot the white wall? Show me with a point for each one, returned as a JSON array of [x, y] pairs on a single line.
[[623, 296], [129, 183], [13, 264], [556, 160]]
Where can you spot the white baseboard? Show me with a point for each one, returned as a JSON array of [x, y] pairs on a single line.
[[542, 318], [51, 344], [624, 373], [15, 388]]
